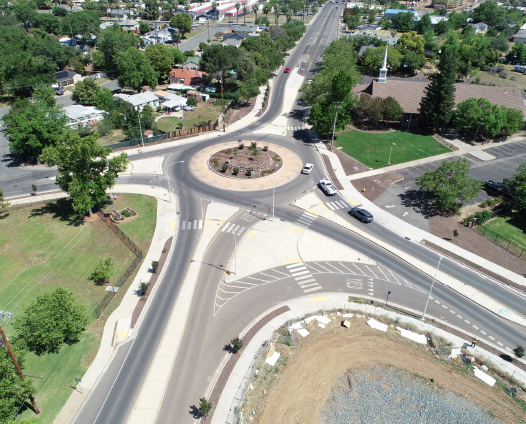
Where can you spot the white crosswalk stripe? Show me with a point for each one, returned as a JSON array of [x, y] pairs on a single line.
[[303, 277], [305, 220], [122, 178], [196, 224], [337, 204], [232, 229]]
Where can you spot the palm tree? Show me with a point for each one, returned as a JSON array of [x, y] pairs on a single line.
[[245, 11], [70, 3], [214, 8], [255, 9], [118, 5], [129, 5], [237, 6], [277, 12], [187, 6], [266, 9]]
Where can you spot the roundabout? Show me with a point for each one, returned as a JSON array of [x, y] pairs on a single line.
[[283, 170]]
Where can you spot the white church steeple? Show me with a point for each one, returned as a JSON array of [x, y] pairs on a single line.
[[383, 70]]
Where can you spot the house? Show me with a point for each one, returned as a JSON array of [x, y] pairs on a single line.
[[391, 13], [364, 48], [449, 4], [140, 100], [479, 28], [192, 63], [184, 79], [159, 36], [105, 25], [201, 97], [409, 94], [170, 101], [520, 35], [129, 25], [83, 116], [67, 77], [238, 36], [231, 42], [436, 19]]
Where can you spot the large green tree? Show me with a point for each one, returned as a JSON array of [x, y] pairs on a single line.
[[34, 126], [450, 184], [182, 22], [135, 70], [218, 58], [436, 107], [113, 40], [13, 391], [86, 92], [84, 171], [403, 21], [517, 185], [489, 12], [52, 319], [161, 58]]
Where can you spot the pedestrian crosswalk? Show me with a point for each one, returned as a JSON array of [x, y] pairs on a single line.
[[292, 129], [337, 204], [303, 277], [305, 220], [250, 215], [122, 178], [197, 224]]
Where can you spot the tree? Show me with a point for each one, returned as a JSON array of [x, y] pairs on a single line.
[[237, 343], [255, 10], [489, 12], [52, 319], [104, 99], [13, 390], [113, 41], [204, 407], [217, 57], [438, 102], [442, 27], [392, 109], [3, 203], [161, 59], [411, 41], [86, 92], [144, 27], [191, 101], [245, 11], [135, 70], [102, 273], [84, 171], [450, 184], [519, 351], [517, 185], [517, 53], [403, 21], [34, 126], [182, 22], [424, 24], [237, 6]]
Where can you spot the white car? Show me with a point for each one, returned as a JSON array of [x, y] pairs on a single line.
[[188, 108], [307, 168], [327, 187]]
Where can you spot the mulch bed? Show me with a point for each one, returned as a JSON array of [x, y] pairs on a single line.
[[234, 114], [232, 360], [243, 159], [372, 187], [141, 303]]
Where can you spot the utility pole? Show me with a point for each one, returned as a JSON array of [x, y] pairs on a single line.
[[334, 125], [222, 100], [15, 362], [140, 129]]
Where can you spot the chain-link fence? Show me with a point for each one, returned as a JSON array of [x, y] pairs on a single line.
[[129, 143], [501, 241], [133, 247]]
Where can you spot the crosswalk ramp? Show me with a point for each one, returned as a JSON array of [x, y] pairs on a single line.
[[303, 277], [337, 204], [305, 220]]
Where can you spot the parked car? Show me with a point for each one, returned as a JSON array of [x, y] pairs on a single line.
[[307, 168], [195, 25], [59, 91], [361, 214], [188, 108], [309, 81], [287, 70], [327, 187]]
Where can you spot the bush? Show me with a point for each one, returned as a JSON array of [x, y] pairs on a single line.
[[224, 167], [482, 216], [253, 145], [159, 108], [519, 351], [503, 73], [155, 266], [237, 344], [235, 171], [204, 407], [255, 152], [265, 148], [126, 213], [143, 287], [191, 101], [241, 146], [102, 272]]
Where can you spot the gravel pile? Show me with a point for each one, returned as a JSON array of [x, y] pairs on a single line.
[[388, 395]]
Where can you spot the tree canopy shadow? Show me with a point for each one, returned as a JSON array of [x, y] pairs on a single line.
[[194, 412], [61, 209], [421, 202]]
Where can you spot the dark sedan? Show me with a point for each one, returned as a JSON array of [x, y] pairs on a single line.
[[361, 214]]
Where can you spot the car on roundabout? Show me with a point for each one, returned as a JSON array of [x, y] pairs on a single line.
[[327, 187], [287, 70], [361, 214], [307, 168]]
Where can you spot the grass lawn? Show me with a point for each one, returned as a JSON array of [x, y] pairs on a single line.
[[510, 228], [168, 123], [44, 247], [520, 79], [115, 136], [373, 149]]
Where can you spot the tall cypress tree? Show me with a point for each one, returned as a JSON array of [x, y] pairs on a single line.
[[436, 107]]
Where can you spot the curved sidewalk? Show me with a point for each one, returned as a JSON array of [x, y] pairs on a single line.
[[308, 305]]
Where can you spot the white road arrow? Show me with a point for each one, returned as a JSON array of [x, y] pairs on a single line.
[[392, 206], [405, 213]]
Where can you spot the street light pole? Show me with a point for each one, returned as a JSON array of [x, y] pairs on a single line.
[[392, 144], [140, 129], [235, 243], [432, 283], [273, 195]]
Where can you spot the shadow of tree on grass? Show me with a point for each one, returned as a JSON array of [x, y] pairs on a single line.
[[61, 209]]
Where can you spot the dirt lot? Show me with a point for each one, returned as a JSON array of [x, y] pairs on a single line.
[[299, 387]]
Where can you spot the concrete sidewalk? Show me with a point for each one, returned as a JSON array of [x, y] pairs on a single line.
[[233, 393]]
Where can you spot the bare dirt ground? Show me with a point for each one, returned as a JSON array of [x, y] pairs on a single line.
[[299, 387]]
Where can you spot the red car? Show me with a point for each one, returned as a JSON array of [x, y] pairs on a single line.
[[287, 70]]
